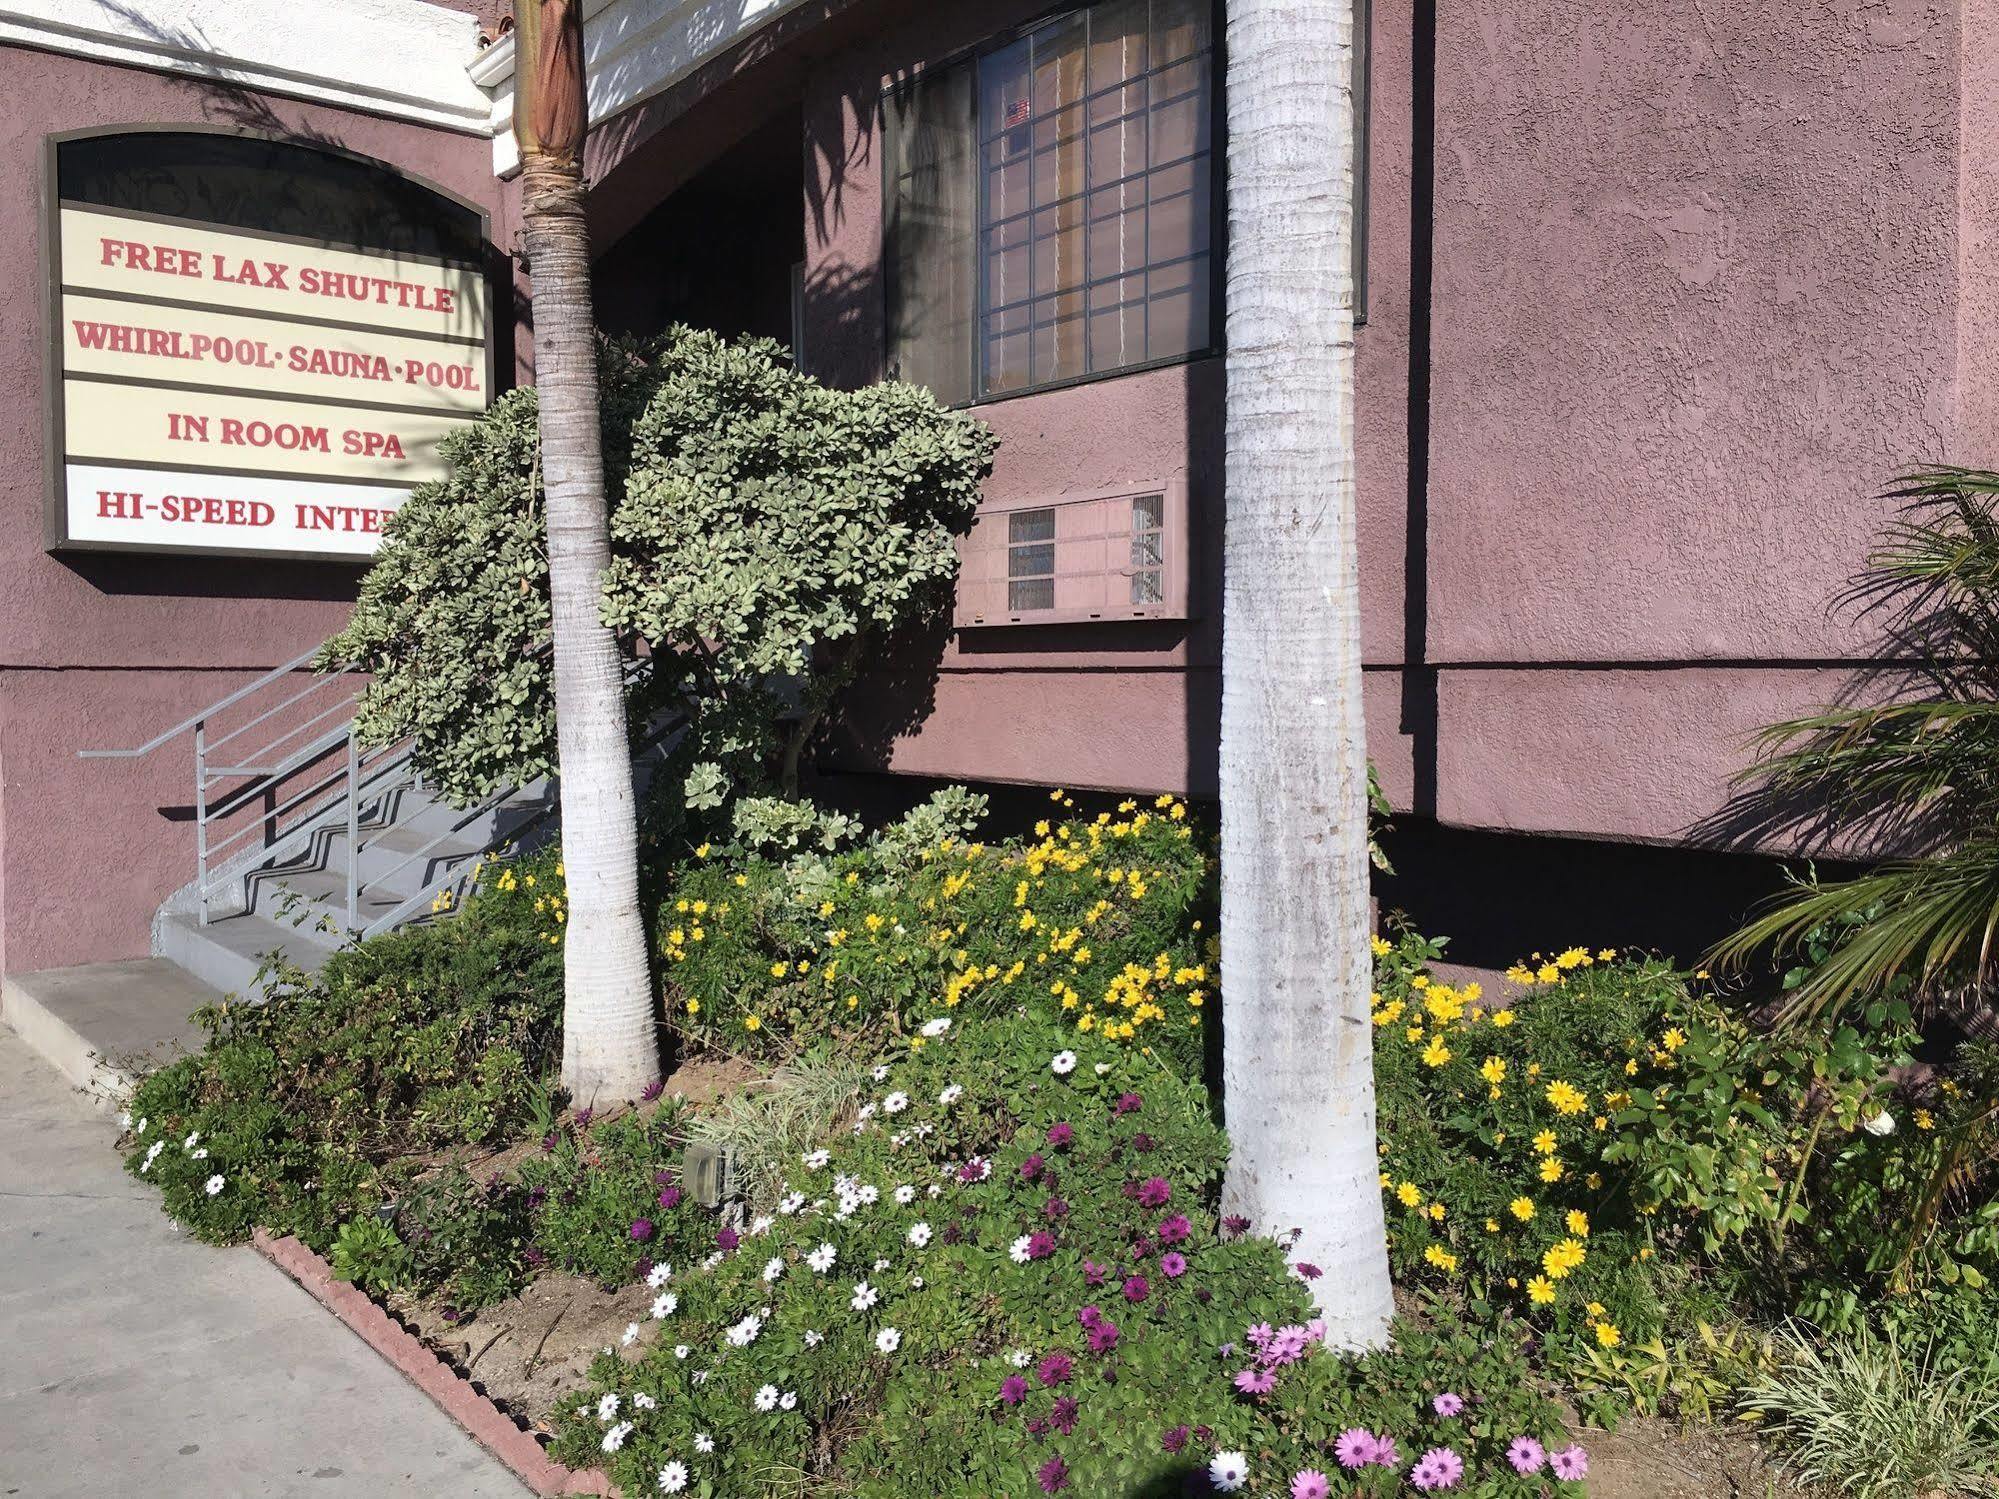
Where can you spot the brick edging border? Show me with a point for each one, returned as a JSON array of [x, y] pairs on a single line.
[[449, 1391]]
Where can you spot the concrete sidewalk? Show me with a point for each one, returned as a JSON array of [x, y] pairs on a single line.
[[136, 1362]]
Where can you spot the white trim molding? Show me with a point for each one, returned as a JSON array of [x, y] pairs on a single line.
[[406, 59], [633, 50]]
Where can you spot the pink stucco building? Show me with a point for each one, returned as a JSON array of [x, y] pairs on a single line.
[[1654, 301]]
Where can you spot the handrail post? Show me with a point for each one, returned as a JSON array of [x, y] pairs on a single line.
[[353, 832], [201, 817]]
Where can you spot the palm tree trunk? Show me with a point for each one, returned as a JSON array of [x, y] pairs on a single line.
[[610, 1049], [1298, 1064]]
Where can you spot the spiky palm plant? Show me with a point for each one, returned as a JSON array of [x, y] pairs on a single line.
[[1908, 761]]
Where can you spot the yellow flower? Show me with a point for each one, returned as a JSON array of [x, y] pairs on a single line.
[[1380, 947], [1493, 1070], [1387, 1181], [1924, 1119], [1544, 1143], [1540, 1290], [1563, 1257], [1631, 1068], [1522, 1208], [1578, 1222], [1674, 1039], [1608, 1335], [694, 1007], [1575, 957], [1492, 1225], [751, 1023], [1436, 1053], [1606, 955], [1548, 973], [1437, 1212], [779, 970], [742, 879], [1566, 1100], [701, 852], [1551, 1170], [1443, 1259], [1521, 974], [1409, 1194], [1502, 1018]]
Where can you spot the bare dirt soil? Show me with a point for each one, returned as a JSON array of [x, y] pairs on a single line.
[[1651, 1459]]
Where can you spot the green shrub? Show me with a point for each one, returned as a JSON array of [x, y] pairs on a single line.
[[303, 1105], [605, 1200], [1878, 1420], [766, 532], [1013, 1191]]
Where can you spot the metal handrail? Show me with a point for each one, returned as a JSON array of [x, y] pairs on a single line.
[[327, 801], [198, 719]]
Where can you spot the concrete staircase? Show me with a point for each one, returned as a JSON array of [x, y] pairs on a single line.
[[413, 848]]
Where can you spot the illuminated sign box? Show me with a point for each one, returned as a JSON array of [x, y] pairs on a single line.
[[221, 383]]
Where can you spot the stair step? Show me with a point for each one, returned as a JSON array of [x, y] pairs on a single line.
[[228, 951], [104, 1025]]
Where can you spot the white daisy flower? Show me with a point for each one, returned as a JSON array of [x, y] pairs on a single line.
[[816, 1159], [644, 1402], [880, 1265], [790, 1203], [191, 1141], [938, 1026], [201, 1154], [888, 1340], [681, 1350], [615, 1437], [699, 1376], [895, 1103], [1228, 1471], [773, 1267], [745, 1332], [664, 1305], [905, 1195], [865, 1112], [821, 1259], [608, 1406], [788, 1400], [919, 1235], [1102, 1068], [761, 1224], [1020, 1358], [631, 1335], [673, 1477], [213, 1185], [1018, 1253], [1063, 1063], [916, 1282], [152, 1154], [659, 1275], [864, 1296], [703, 1443], [766, 1399], [712, 1261], [813, 1339], [935, 1190], [881, 1073], [951, 1094], [142, 1126]]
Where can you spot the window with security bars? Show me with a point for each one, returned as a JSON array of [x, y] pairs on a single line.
[[1091, 557], [1051, 205]]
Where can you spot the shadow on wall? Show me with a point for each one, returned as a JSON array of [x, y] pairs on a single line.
[[1499, 896]]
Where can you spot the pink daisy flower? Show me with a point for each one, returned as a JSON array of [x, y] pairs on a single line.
[[1570, 1465], [1439, 1468], [1526, 1455], [1447, 1404], [1310, 1484], [1355, 1447]]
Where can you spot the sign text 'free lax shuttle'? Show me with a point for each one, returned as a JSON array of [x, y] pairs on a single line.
[[226, 390]]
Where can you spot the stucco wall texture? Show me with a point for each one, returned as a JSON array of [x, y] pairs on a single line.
[[99, 651], [1685, 285]]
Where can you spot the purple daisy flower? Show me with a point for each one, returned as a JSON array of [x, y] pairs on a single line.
[[1355, 1447], [1174, 1440], [1256, 1381], [1013, 1390], [1174, 1229], [1137, 1288], [1061, 1136], [1054, 1476], [1173, 1264], [1310, 1484], [1054, 1369], [1155, 1192], [1031, 1167], [1526, 1455], [1128, 1103], [642, 1229], [1447, 1404]]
